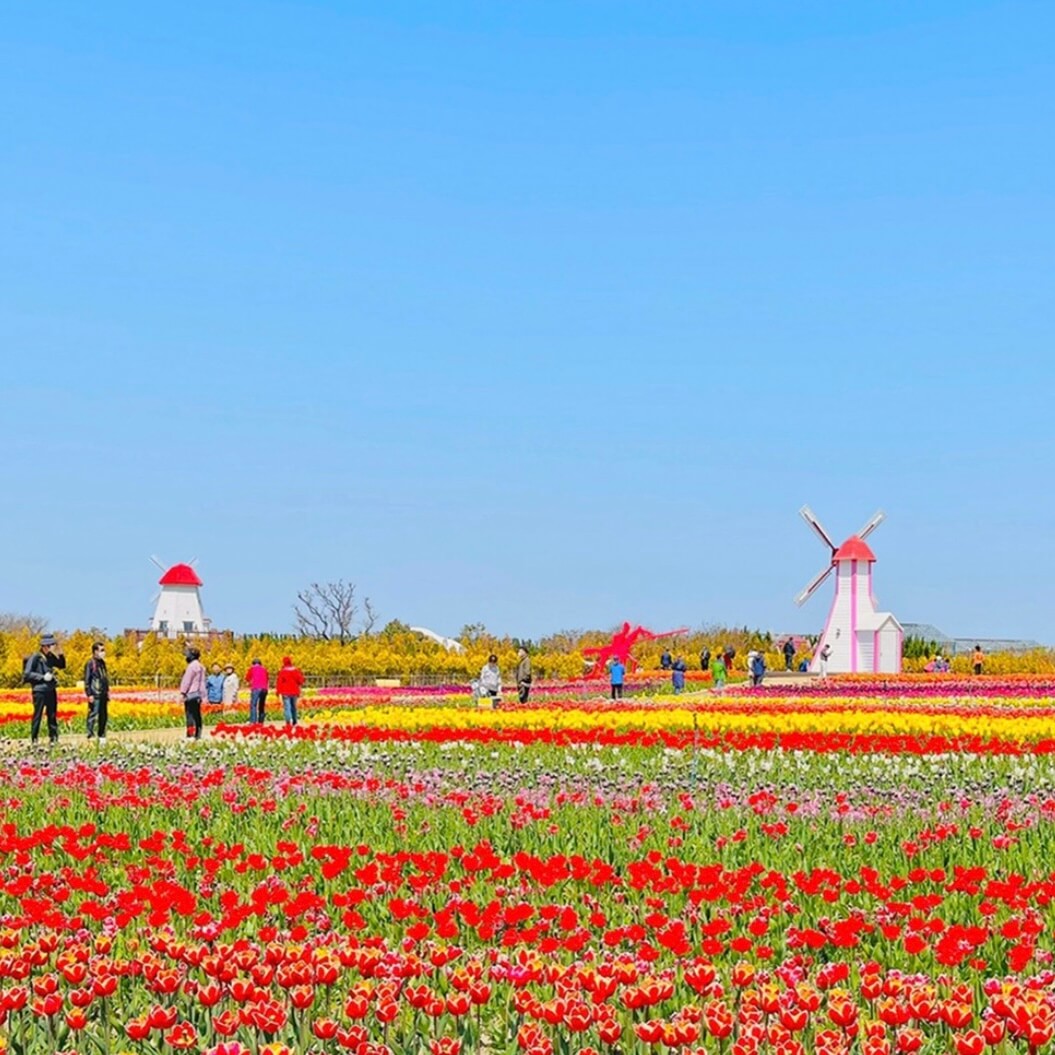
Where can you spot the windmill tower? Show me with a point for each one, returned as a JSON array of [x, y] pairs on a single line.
[[177, 608], [861, 638]]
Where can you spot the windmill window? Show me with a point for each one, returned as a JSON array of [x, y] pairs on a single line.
[[163, 625], [188, 626]]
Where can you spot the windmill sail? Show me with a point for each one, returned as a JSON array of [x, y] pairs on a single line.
[[872, 524], [808, 515], [813, 586]]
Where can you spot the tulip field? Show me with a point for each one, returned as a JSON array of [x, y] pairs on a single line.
[[860, 865]]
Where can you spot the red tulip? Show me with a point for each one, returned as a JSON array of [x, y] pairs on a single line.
[[324, 1028], [137, 1029], [969, 1043], [182, 1036], [76, 1019]]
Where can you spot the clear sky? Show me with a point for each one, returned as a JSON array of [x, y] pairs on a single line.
[[543, 314]]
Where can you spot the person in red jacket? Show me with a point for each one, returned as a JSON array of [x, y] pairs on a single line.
[[288, 684]]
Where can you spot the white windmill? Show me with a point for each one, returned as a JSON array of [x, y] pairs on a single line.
[[177, 608], [861, 638]]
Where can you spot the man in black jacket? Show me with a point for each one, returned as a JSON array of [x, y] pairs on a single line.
[[38, 672], [97, 689]]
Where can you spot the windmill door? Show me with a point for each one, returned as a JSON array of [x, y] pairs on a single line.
[[865, 650]]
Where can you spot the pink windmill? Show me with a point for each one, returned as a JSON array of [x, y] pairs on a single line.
[[619, 648], [860, 638]]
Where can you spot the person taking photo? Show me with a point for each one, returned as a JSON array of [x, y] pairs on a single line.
[[39, 673]]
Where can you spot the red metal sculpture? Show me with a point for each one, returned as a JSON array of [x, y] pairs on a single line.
[[619, 647]]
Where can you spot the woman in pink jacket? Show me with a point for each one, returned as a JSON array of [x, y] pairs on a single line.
[[192, 689]]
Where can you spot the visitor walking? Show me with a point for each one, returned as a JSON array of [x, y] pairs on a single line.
[[288, 685], [39, 672], [789, 654], [705, 658], [230, 687], [192, 689], [824, 657], [665, 662], [256, 678], [729, 654], [757, 664], [214, 685], [718, 670], [491, 681], [97, 691], [677, 674], [616, 677], [978, 659], [523, 675]]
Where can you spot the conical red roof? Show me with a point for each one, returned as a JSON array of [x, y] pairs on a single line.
[[180, 575], [854, 549]]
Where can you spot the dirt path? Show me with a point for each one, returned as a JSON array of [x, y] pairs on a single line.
[[171, 734]]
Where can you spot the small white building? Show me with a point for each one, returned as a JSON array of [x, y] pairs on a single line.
[[178, 609]]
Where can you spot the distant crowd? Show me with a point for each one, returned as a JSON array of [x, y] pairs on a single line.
[[221, 685]]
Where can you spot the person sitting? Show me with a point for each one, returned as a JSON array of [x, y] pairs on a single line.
[[491, 681]]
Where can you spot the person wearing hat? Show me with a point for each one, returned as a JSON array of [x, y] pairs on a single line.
[[214, 685], [230, 687], [39, 673]]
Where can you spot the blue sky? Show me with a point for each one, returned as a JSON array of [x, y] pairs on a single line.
[[546, 315]]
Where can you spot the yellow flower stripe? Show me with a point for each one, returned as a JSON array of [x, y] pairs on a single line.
[[951, 722]]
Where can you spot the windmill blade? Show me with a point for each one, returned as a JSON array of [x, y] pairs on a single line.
[[812, 588], [158, 563], [807, 514], [872, 524]]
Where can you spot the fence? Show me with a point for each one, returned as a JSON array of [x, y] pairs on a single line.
[[162, 682]]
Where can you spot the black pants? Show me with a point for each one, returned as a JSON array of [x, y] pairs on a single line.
[[617, 692], [98, 713], [45, 702], [192, 709], [523, 691], [789, 662], [978, 668], [756, 680]]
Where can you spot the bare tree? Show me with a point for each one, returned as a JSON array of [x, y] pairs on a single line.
[[369, 616], [327, 611], [12, 622]]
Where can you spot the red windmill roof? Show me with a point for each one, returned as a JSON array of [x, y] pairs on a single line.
[[180, 575], [854, 549]]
